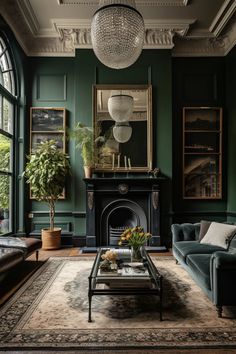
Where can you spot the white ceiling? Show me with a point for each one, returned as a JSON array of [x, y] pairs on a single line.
[[187, 27]]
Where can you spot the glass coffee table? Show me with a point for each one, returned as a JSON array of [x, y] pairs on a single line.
[[130, 278]]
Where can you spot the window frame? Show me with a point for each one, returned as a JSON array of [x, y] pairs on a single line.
[[12, 98]]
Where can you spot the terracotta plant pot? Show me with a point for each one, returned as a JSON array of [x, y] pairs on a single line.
[[88, 171], [51, 239]]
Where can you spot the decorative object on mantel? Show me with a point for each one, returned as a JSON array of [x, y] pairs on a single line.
[[155, 172], [136, 238], [83, 136], [117, 33], [46, 173]]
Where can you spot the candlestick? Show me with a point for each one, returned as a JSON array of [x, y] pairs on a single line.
[[129, 163], [113, 161], [125, 160], [150, 165], [118, 161]]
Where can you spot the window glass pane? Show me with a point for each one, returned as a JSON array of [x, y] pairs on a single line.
[[5, 153], [1, 125], [7, 116], [5, 204], [7, 81], [6, 74]]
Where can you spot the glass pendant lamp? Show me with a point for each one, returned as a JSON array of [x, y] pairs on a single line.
[[120, 107]]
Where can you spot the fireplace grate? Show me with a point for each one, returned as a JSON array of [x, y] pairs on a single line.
[[115, 233]]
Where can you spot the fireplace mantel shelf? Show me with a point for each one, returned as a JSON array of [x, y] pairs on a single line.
[[152, 180]]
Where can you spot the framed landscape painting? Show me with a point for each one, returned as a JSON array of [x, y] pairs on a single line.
[[47, 124]]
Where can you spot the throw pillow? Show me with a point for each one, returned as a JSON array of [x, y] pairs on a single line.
[[219, 234], [204, 226]]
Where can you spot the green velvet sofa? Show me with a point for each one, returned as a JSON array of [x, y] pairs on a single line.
[[212, 267]]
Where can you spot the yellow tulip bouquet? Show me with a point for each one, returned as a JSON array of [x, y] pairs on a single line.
[[136, 238]]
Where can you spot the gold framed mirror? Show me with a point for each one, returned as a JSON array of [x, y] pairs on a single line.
[[122, 124]]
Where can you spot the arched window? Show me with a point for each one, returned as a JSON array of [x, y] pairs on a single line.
[[8, 103]]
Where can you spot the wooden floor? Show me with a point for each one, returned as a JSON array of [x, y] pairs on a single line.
[[75, 252]]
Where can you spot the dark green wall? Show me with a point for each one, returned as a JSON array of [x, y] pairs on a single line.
[[196, 82], [80, 73], [231, 132]]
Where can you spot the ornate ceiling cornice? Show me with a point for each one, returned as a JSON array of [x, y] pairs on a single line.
[[138, 2], [65, 36]]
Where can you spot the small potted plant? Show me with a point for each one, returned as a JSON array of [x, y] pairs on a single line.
[[83, 137], [46, 173]]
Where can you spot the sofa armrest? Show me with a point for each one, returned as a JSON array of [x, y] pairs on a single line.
[[185, 232], [224, 260], [223, 275]]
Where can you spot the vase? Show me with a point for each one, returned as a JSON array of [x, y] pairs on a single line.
[[88, 171], [136, 255]]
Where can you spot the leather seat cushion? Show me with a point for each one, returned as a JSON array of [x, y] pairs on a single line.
[[200, 266], [184, 248], [9, 257], [27, 245]]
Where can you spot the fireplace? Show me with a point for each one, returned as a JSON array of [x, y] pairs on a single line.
[[113, 204]]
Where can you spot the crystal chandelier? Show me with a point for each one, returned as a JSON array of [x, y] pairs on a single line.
[[117, 33]]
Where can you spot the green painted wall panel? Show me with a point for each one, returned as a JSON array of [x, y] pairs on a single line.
[[153, 67], [231, 123]]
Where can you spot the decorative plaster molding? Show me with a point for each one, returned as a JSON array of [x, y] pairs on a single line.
[[29, 16], [155, 38], [223, 16], [214, 46], [67, 35], [201, 47], [138, 2], [158, 38]]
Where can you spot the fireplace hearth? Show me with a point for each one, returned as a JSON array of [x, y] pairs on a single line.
[[113, 204]]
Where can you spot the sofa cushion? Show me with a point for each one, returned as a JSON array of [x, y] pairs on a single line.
[[27, 245], [184, 248], [199, 264], [219, 234], [204, 226], [9, 257], [7, 241]]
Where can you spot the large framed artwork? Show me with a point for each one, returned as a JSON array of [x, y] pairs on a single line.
[[46, 124], [202, 153]]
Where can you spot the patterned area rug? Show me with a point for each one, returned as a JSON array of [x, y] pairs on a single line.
[[51, 310]]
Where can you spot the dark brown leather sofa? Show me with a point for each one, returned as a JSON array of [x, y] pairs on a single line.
[[15, 250]]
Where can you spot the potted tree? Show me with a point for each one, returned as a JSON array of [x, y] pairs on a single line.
[[46, 173], [83, 137]]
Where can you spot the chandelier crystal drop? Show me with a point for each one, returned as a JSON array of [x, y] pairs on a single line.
[[117, 33], [120, 107]]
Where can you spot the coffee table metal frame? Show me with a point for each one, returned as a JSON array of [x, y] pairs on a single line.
[[153, 274]]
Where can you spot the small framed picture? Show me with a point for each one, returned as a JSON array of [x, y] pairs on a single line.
[[47, 119]]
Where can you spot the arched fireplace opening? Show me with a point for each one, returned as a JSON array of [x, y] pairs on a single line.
[[117, 216]]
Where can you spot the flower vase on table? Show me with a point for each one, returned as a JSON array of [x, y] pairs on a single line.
[[136, 255], [136, 238]]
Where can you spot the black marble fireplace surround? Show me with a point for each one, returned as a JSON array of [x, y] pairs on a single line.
[[115, 203]]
